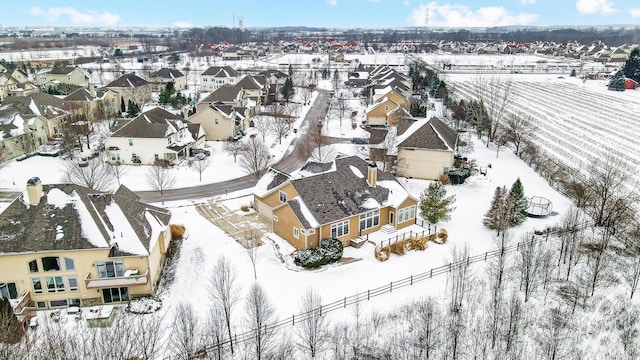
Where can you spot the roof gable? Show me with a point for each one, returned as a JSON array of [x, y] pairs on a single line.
[[128, 80]]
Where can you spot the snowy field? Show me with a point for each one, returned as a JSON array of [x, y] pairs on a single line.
[[571, 114]]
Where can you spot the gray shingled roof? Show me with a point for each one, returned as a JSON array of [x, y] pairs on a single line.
[[50, 227], [47, 105], [166, 73], [249, 82], [225, 93], [433, 135], [221, 71], [62, 70], [150, 124], [80, 94], [338, 194], [129, 80]]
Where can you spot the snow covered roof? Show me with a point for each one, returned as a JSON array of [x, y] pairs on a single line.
[[72, 217]]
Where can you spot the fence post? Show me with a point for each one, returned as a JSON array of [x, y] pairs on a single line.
[[320, 310], [293, 320], [431, 273], [485, 256], [345, 302], [391, 286], [411, 280], [367, 294]]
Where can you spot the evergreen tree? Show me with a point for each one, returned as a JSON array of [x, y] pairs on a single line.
[[616, 82], [573, 73], [499, 215], [123, 108], [519, 203], [290, 70], [631, 67], [132, 109], [287, 90], [435, 205]]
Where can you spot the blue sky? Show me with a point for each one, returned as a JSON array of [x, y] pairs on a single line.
[[321, 13]]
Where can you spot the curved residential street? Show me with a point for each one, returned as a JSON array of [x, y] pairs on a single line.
[[289, 162]]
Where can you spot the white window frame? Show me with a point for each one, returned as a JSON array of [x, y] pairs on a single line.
[[369, 219], [296, 232], [407, 213], [275, 218], [339, 228], [282, 196]]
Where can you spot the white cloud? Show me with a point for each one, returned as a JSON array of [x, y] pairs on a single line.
[[182, 24], [76, 17], [374, 1], [332, 2], [406, 3], [635, 13], [595, 7], [527, 2], [448, 15]]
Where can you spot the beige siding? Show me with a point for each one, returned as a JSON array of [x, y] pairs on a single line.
[[423, 164]]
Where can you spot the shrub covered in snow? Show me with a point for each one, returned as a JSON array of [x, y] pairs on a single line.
[[330, 250], [144, 305]]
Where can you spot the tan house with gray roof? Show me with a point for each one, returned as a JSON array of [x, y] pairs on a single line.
[[219, 121], [66, 245], [131, 87], [416, 148], [346, 199], [62, 75], [160, 78]]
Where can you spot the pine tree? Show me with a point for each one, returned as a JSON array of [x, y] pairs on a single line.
[[132, 109], [616, 82], [435, 205], [287, 90], [632, 65], [499, 215], [519, 203], [123, 108]]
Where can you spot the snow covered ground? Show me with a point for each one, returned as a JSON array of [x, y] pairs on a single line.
[[284, 282]]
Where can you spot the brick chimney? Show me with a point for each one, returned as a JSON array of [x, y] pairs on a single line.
[[34, 190], [372, 174]]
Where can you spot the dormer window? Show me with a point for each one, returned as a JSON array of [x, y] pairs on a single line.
[[283, 197], [169, 140]]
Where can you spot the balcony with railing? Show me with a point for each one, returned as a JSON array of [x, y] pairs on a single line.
[[128, 279]]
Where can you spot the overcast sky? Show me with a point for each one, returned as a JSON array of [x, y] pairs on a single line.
[[320, 13]]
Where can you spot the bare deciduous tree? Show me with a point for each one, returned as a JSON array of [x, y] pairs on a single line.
[[529, 258], [160, 179], [262, 124], [517, 129], [252, 243], [200, 166], [306, 94], [223, 291], [312, 330], [429, 325], [315, 144], [185, 332], [93, 173], [612, 189], [496, 95], [233, 148], [117, 170], [255, 157], [260, 316], [280, 128], [496, 270]]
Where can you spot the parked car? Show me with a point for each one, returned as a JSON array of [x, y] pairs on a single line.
[[195, 151], [359, 141]]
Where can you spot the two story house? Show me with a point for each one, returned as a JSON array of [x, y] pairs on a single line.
[[131, 87], [160, 78], [70, 75], [345, 199], [67, 245], [153, 136], [220, 121], [216, 76], [416, 148]]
